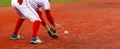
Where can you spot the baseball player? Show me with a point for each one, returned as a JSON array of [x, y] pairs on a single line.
[[31, 9]]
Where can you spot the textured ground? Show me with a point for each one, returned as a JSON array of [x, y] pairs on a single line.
[[92, 24]]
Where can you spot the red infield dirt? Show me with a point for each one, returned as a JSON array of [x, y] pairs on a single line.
[[92, 24]]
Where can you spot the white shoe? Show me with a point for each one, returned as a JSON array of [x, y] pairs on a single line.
[[16, 37], [36, 41]]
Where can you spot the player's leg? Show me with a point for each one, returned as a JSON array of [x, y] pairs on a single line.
[[16, 29], [35, 27], [18, 25], [32, 15], [19, 22]]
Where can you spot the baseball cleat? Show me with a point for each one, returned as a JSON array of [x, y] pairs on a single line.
[[36, 41], [52, 33], [16, 37]]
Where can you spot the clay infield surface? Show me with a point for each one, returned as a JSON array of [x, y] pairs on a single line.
[[91, 24]]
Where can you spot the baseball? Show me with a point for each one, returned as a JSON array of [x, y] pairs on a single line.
[[66, 32]]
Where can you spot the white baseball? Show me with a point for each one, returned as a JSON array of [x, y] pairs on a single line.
[[66, 32]]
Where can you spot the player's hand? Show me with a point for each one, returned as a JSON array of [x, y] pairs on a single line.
[[57, 26]]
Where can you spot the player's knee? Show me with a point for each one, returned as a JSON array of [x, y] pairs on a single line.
[[36, 20]]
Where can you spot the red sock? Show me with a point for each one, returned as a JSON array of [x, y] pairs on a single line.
[[36, 25], [18, 25], [49, 17]]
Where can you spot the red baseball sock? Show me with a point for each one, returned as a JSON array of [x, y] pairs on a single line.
[[49, 17], [18, 25], [36, 25]]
